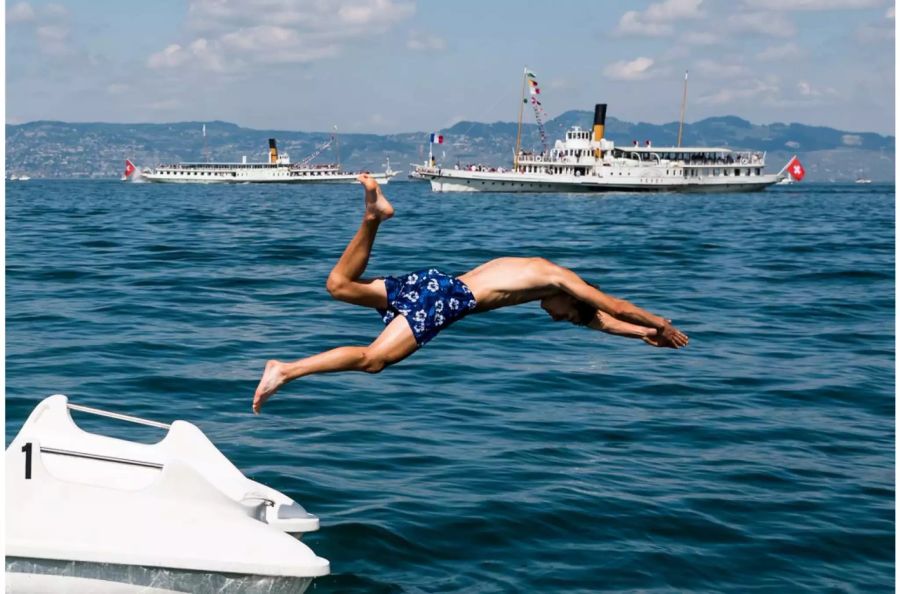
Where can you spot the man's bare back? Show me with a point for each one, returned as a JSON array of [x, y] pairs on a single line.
[[508, 281]]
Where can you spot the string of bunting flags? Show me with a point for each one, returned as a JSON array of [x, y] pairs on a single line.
[[539, 113]]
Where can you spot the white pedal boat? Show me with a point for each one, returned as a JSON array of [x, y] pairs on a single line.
[[90, 513]]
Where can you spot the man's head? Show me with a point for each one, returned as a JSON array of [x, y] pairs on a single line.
[[563, 307]]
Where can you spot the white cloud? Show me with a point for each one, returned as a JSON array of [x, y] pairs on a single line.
[[761, 23], [671, 10], [53, 40], [740, 94], [49, 25], [52, 33], [239, 34], [754, 90], [791, 5], [375, 12], [424, 42], [201, 53], [20, 13], [206, 54], [631, 23], [307, 15], [236, 50], [117, 88], [265, 44], [262, 38], [171, 57], [806, 89], [636, 69], [657, 20]]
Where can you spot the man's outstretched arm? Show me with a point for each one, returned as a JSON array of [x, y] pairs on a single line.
[[610, 325], [625, 311], [606, 323]]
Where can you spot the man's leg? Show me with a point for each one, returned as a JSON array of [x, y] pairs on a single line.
[[394, 344], [344, 282]]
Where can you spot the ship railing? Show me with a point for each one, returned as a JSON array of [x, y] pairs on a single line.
[[525, 156], [736, 159]]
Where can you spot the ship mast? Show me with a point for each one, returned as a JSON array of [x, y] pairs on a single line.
[[205, 146], [519, 131], [683, 102], [337, 147]]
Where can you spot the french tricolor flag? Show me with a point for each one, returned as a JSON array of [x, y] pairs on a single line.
[[437, 138]]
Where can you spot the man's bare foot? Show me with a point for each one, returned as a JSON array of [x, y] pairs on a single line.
[[377, 206], [272, 379]]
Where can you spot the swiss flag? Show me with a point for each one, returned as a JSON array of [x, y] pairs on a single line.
[[129, 168], [795, 168]]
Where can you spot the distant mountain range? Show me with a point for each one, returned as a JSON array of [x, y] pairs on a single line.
[[96, 150]]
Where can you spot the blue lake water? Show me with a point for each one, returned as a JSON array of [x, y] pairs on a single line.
[[512, 453]]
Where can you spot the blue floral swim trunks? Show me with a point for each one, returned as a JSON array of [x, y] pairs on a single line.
[[429, 300]]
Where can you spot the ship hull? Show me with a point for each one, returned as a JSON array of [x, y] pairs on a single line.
[[458, 181], [239, 179], [40, 576]]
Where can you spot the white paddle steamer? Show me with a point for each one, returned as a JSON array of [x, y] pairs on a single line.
[[278, 169], [586, 161]]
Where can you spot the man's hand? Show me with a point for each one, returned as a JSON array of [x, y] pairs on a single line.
[[667, 336]]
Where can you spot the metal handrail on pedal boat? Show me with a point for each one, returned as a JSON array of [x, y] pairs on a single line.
[[112, 415], [121, 417], [74, 454]]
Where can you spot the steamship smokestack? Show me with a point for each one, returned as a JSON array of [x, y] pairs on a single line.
[[273, 151], [599, 120]]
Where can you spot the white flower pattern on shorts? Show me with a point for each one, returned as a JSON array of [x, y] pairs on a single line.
[[437, 299]]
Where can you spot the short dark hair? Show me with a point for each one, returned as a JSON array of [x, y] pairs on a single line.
[[586, 312]]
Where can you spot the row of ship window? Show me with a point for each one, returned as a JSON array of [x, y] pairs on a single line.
[[233, 173], [725, 171], [685, 172]]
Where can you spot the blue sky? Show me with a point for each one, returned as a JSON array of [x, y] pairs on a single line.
[[386, 66]]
